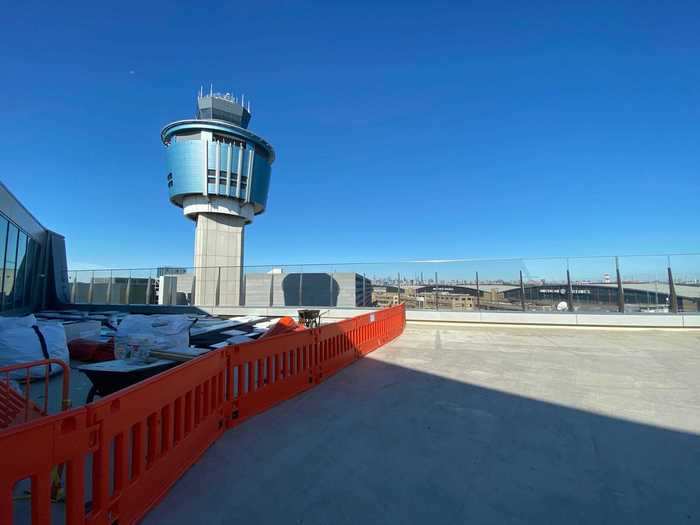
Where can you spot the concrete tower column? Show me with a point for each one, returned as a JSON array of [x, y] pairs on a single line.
[[218, 259]]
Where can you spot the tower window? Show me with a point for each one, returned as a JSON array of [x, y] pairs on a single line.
[[225, 139]]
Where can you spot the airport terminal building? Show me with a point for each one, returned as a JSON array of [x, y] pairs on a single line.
[[640, 295]]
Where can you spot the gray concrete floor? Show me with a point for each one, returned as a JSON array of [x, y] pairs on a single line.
[[480, 424]]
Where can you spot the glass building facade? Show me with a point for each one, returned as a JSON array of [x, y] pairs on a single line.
[[20, 257]]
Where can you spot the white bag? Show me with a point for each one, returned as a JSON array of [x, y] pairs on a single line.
[[21, 344], [167, 332], [17, 322]]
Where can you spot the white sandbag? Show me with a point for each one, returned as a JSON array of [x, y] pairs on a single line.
[[166, 332], [21, 344], [17, 322], [56, 343]]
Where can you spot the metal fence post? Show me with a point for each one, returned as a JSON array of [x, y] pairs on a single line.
[[569, 290], [193, 285], [522, 292], [272, 288], [109, 289], [75, 285], [478, 293], [364, 292], [92, 282], [301, 287], [672, 289], [330, 288], [398, 287], [148, 288], [242, 283], [620, 289], [437, 304], [128, 289]]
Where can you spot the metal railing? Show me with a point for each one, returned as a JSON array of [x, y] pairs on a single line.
[[661, 283]]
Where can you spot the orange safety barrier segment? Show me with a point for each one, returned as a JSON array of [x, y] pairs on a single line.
[[16, 407], [143, 438], [260, 376]]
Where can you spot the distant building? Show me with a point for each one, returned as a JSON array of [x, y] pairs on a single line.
[[344, 289], [637, 295], [170, 270]]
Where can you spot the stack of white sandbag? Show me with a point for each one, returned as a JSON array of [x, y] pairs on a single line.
[[24, 339], [152, 333]]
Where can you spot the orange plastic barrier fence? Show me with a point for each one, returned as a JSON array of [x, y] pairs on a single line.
[[16, 406], [262, 375], [137, 442]]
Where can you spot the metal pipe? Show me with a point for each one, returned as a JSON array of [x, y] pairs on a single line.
[[522, 292]]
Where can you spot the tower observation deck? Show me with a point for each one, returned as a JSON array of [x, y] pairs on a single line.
[[219, 174]]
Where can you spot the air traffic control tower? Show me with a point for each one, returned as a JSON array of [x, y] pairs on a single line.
[[219, 174]]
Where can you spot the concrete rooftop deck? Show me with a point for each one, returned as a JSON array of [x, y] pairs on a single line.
[[485, 424]]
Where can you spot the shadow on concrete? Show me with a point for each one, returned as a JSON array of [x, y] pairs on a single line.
[[381, 443], [310, 289]]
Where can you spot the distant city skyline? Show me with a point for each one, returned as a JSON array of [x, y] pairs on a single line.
[[480, 130]]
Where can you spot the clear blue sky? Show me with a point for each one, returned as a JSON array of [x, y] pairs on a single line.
[[482, 129]]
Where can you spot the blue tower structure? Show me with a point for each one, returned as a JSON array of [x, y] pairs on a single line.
[[219, 174]]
